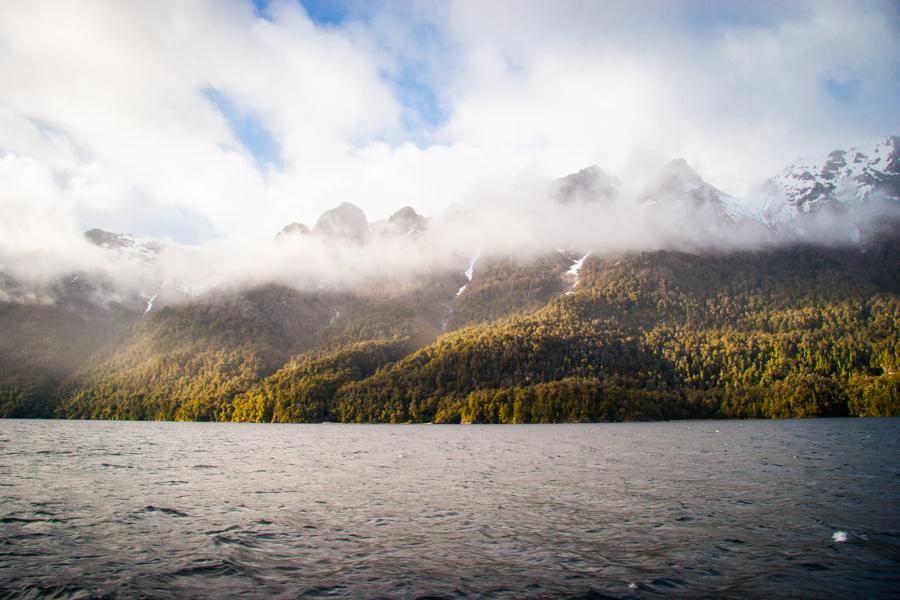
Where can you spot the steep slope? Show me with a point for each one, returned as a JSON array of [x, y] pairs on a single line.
[[571, 334], [345, 223], [405, 222], [413, 310], [795, 332], [679, 186], [844, 179], [188, 361], [50, 332], [304, 389], [292, 229], [502, 286], [126, 244], [591, 184]]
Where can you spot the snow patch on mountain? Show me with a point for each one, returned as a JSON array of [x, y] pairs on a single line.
[[680, 187], [469, 273], [150, 300], [573, 272], [126, 245]]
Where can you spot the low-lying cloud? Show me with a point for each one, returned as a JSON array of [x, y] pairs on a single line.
[[132, 117]]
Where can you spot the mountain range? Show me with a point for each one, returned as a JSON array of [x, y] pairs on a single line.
[[802, 322]]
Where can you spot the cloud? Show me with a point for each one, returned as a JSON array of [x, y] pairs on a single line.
[[217, 123], [128, 84], [604, 83]]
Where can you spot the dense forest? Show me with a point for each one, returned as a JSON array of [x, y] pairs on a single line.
[[805, 332], [790, 332]]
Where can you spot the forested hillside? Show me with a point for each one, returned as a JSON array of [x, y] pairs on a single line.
[[190, 361], [799, 332], [504, 286], [48, 335], [793, 332]]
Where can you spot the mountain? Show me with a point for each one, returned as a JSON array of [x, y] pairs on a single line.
[[187, 361], [793, 331], [293, 229], [802, 331], [125, 244], [590, 184], [844, 179], [50, 332], [190, 361], [345, 223], [406, 221], [679, 186], [792, 328], [500, 285]]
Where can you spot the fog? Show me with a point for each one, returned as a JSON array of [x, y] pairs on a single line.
[[341, 254], [210, 126]]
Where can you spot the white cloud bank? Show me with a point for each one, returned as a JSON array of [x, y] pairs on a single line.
[[106, 118]]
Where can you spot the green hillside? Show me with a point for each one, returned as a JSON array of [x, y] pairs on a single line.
[[503, 286], [793, 332], [44, 339], [799, 332]]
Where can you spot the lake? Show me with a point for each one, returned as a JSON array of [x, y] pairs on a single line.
[[737, 509]]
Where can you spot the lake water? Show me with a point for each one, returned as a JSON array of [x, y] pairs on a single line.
[[715, 508]]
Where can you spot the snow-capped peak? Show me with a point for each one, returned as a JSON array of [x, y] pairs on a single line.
[[143, 248], [680, 185], [842, 178]]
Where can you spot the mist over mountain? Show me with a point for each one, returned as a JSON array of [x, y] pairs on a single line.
[[590, 184], [847, 198], [252, 330]]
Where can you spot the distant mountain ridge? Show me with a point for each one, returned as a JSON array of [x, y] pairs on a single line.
[[124, 243], [785, 202], [785, 205], [804, 188], [795, 328]]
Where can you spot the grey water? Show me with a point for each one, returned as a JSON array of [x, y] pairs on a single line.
[[688, 509]]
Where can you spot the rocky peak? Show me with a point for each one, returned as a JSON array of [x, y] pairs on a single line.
[[346, 222], [407, 221], [292, 230], [125, 243], [845, 176], [679, 184], [591, 184]]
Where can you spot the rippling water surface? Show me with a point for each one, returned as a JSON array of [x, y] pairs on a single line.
[[754, 508]]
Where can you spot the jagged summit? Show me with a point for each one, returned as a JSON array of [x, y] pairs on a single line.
[[407, 221], [293, 229], [345, 222], [125, 243], [678, 184], [845, 177], [591, 184]]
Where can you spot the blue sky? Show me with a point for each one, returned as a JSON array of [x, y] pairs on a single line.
[[322, 12], [423, 108], [249, 129]]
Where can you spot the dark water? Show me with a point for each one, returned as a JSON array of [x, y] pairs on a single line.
[[717, 509]]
